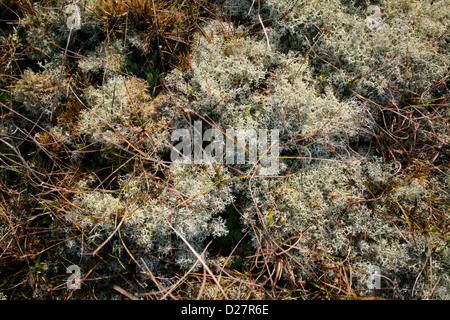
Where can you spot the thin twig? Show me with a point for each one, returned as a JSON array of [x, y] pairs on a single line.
[[199, 258], [125, 293], [265, 33]]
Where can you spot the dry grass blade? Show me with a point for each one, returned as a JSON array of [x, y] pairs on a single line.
[[125, 293]]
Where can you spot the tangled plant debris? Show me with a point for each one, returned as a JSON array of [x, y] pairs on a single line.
[[92, 91]]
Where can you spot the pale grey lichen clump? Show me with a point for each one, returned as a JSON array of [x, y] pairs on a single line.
[[118, 111], [329, 205], [412, 32], [45, 40], [110, 109], [108, 58], [40, 93], [326, 214], [192, 207], [324, 211], [328, 208], [236, 81], [47, 32]]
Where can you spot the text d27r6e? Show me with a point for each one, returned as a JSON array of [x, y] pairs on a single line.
[[247, 309]]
